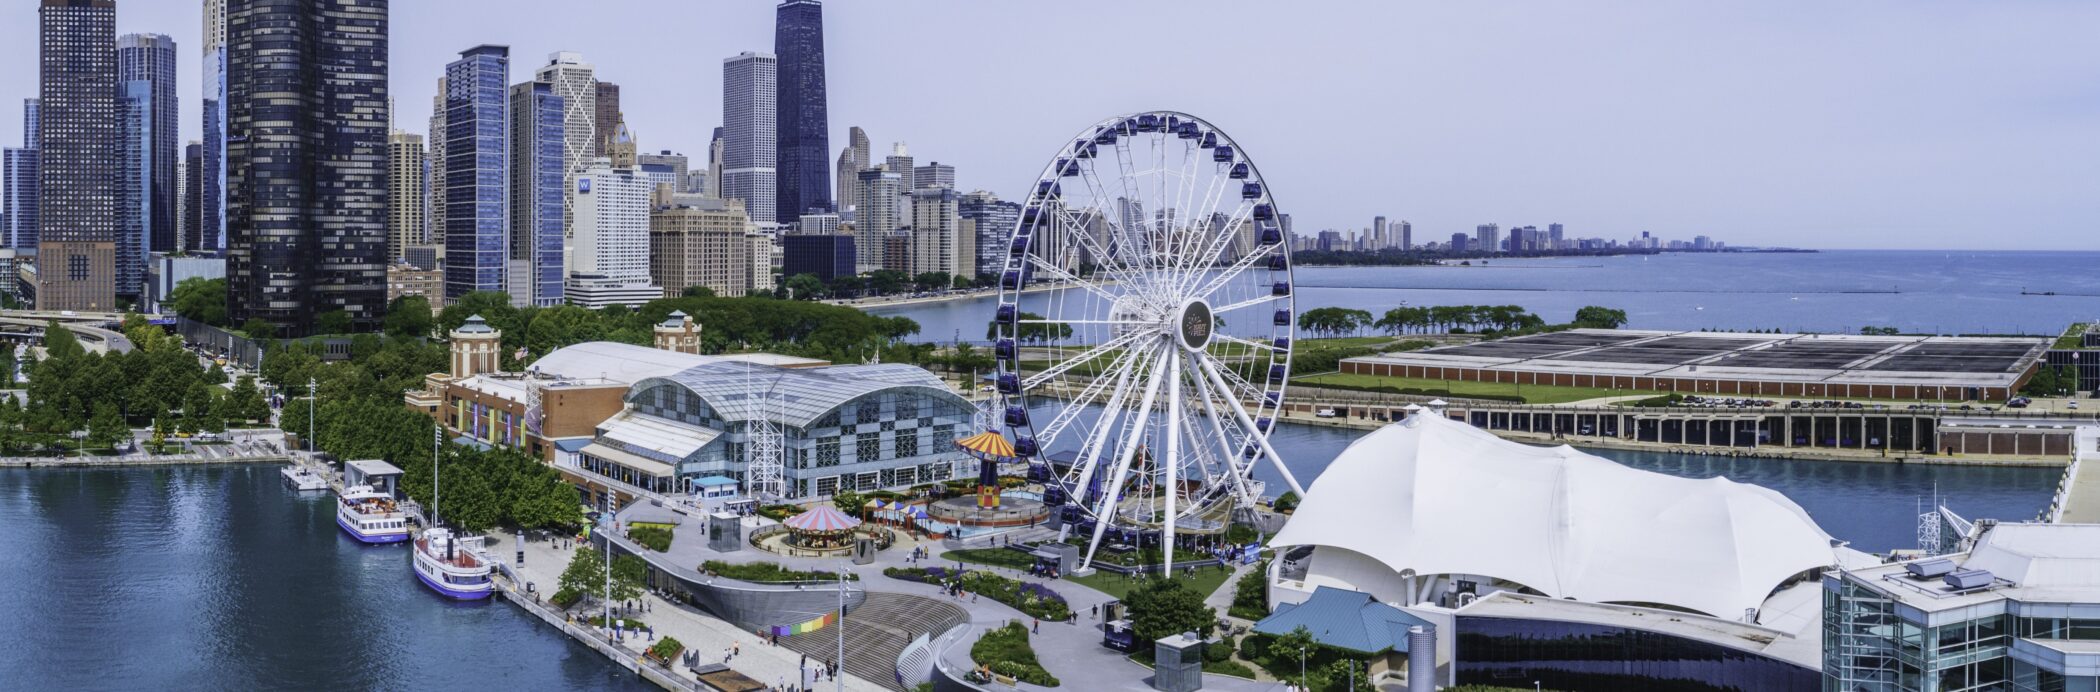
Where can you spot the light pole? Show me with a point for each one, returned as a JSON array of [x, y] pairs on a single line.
[[841, 680], [313, 396], [1301, 668], [606, 502]]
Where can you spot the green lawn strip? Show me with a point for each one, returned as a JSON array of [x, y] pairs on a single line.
[[996, 557], [1205, 582]]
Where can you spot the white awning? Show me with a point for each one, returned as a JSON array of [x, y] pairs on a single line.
[[660, 435], [640, 464]]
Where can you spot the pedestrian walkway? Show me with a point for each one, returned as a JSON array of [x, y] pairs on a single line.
[[716, 641]]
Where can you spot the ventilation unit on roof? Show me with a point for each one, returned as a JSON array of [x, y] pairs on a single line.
[[1967, 579], [1927, 569]]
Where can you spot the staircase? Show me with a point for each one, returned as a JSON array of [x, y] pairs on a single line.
[[877, 632]]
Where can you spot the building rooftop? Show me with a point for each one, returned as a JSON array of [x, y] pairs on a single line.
[[799, 395], [1828, 358], [1348, 619], [2031, 562]]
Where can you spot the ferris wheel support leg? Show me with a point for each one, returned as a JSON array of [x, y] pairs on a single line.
[[1114, 483], [1173, 459], [1216, 380], [1102, 428], [1217, 426]]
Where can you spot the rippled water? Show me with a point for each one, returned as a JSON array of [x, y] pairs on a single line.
[[218, 578]]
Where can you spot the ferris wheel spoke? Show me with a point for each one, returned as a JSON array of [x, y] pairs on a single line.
[[1211, 370], [1086, 397], [1244, 342], [1082, 235], [1242, 304], [1112, 488], [1086, 356], [1173, 458], [1259, 252], [1231, 461], [1059, 273], [1227, 237]]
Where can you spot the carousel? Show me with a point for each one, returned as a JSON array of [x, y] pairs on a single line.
[[821, 528]]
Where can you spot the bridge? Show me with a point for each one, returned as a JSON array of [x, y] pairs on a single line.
[[2077, 499], [97, 330]]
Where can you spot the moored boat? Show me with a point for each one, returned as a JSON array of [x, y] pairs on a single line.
[[452, 566], [370, 516]]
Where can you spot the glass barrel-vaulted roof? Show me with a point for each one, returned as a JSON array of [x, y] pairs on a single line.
[[800, 395]]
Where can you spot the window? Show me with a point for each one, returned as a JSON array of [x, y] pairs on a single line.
[[827, 451], [869, 411], [907, 444], [908, 406], [867, 447]]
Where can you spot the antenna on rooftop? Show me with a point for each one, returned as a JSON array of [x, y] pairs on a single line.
[[763, 468]]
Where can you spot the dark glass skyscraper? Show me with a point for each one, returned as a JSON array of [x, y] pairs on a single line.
[[477, 170], [306, 161], [192, 221], [804, 127], [538, 145], [151, 58], [77, 80], [18, 185]]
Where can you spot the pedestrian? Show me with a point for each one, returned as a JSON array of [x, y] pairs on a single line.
[[1037, 627], [736, 648]]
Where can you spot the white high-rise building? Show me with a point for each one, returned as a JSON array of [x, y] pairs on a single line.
[[406, 214], [434, 182], [936, 244], [900, 163], [749, 160], [576, 82], [852, 160], [609, 257]]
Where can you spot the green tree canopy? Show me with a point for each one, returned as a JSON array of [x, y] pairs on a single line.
[[804, 287], [697, 291], [1163, 607], [332, 322], [259, 329], [200, 299], [1595, 317], [408, 317]]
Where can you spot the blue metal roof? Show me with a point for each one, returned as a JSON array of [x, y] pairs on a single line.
[[1345, 619], [572, 444], [712, 481]]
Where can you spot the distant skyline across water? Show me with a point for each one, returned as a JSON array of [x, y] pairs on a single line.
[[1877, 124]]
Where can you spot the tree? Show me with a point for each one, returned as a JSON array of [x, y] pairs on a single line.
[[259, 329], [107, 428], [697, 292], [849, 502], [203, 300], [1594, 317], [1286, 502], [805, 287], [332, 322], [931, 281], [1333, 321], [492, 306], [584, 576], [1163, 607], [2048, 380], [888, 281], [560, 326], [962, 283], [60, 343], [629, 574], [408, 317]]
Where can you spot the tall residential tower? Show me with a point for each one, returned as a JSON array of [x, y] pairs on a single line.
[[477, 171], [77, 195], [804, 133], [748, 143]]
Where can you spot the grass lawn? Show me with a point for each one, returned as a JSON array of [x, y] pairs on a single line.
[[996, 557], [1530, 393], [1206, 581]]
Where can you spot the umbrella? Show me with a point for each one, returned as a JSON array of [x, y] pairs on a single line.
[[987, 445]]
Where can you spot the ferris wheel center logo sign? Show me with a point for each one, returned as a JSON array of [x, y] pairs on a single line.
[[1196, 323]]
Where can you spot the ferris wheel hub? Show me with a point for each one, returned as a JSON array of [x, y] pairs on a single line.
[[1193, 325]]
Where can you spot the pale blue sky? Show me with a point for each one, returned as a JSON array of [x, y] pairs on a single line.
[[1858, 124]]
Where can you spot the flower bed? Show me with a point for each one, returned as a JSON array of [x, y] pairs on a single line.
[[1032, 599], [653, 537], [1006, 651], [923, 575], [666, 649], [769, 572]]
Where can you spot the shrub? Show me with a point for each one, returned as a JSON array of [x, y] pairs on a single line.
[[1005, 650], [657, 538], [769, 572], [1032, 599], [667, 649], [1228, 667], [1213, 653], [1250, 595], [566, 597], [1285, 503]]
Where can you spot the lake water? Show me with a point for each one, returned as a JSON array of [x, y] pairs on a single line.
[[218, 578], [1836, 291]]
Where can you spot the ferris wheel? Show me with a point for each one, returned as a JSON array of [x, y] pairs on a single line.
[[1143, 332]]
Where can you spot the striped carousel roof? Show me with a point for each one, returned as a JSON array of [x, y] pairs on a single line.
[[822, 518], [987, 444]]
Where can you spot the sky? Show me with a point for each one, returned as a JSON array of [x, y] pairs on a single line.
[[1874, 124]]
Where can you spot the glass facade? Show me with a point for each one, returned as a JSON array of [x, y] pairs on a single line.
[[538, 196], [1875, 643], [477, 170], [891, 437], [1510, 652], [804, 130]]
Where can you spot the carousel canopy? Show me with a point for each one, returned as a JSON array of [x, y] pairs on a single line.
[[822, 518], [987, 444]]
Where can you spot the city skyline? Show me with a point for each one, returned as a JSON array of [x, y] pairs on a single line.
[[1786, 124]]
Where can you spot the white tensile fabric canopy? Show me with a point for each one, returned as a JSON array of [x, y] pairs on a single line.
[[1437, 496]]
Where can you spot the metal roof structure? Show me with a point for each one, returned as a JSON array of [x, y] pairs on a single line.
[[1346, 619], [672, 439], [737, 390]]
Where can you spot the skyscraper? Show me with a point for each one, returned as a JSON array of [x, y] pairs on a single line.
[[990, 222], [1378, 239], [212, 195], [575, 83], [804, 130], [935, 244], [701, 246], [540, 140], [135, 164], [1407, 236], [605, 106], [879, 216], [477, 170], [853, 159], [77, 133], [899, 162], [407, 163], [610, 260], [151, 58], [434, 174], [192, 221], [1487, 238], [714, 164], [935, 174], [748, 121], [306, 161], [19, 208]]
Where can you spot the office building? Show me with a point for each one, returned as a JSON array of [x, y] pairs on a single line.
[[819, 224], [150, 58], [211, 235], [665, 171], [1378, 234], [1554, 233], [134, 155], [936, 244], [990, 222], [804, 128], [714, 164], [477, 171], [748, 143], [191, 219], [407, 164], [77, 171], [1460, 242], [695, 183], [827, 257], [434, 175], [1487, 238], [541, 141], [575, 83], [2012, 607], [609, 262], [935, 174], [878, 215], [306, 132], [19, 208], [165, 272], [1406, 236], [702, 246], [403, 280], [853, 158], [605, 102], [899, 162]]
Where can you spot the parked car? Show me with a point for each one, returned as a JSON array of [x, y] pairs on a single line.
[[1329, 413]]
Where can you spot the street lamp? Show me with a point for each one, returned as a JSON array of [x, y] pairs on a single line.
[[313, 395], [1301, 668]]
